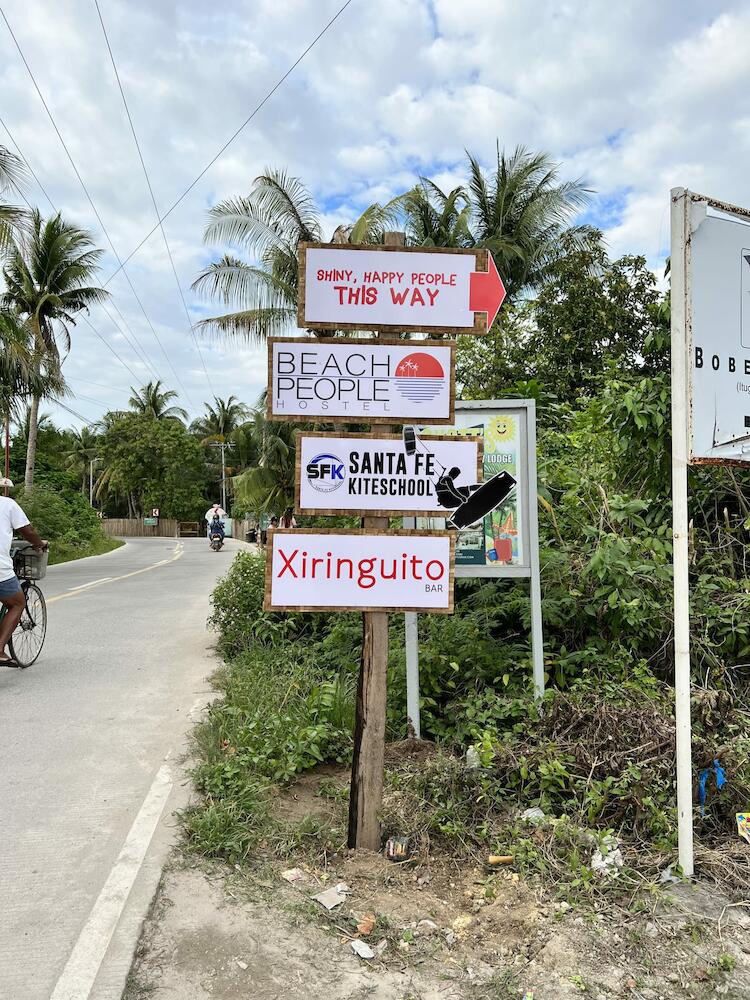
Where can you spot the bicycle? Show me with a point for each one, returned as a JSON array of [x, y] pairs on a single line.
[[28, 638]]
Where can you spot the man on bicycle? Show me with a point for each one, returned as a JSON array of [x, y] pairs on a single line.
[[12, 518]]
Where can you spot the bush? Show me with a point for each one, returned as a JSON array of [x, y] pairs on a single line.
[[238, 615], [66, 519]]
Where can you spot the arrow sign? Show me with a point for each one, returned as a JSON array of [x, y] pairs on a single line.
[[346, 287], [486, 292]]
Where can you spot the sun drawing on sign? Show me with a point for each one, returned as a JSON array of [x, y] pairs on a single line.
[[419, 377]]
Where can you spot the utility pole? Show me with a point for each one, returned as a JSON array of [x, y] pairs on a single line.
[[91, 479], [223, 478]]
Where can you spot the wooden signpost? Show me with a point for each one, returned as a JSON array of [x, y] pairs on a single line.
[[387, 289]]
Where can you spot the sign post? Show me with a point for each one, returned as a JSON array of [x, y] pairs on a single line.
[[710, 301], [382, 382], [680, 555]]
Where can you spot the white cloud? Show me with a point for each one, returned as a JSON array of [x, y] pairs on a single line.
[[634, 97]]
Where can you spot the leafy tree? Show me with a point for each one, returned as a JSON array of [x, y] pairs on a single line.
[[150, 462], [592, 313], [268, 225], [154, 401], [47, 282]]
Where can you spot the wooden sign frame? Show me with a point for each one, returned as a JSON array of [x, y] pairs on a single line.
[[373, 436], [272, 535], [360, 418], [481, 259]]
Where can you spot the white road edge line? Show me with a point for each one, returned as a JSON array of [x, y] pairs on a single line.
[[91, 583], [80, 972]]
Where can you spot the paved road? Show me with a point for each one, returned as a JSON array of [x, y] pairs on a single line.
[[90, 740]]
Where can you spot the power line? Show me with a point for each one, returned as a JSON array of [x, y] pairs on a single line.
[[232, 137], [78, 416], [111, 348], [55, 209], [100, 385], [153, 197], [121, 263]]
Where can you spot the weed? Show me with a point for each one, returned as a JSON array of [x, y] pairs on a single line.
[[725, 962]]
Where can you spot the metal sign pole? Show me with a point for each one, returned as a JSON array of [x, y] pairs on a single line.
[[680, 221], [411, 644], [535, 588]]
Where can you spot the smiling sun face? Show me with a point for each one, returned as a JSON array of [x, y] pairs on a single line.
[[503, 430]]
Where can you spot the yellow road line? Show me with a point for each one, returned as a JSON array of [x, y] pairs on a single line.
[[78, 591]]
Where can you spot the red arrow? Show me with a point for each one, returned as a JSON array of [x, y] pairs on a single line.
[[486, 291]]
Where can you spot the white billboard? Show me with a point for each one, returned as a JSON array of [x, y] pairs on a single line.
[[367, 473], [359, 571], [369, 380], [718, 322], [346, 286]]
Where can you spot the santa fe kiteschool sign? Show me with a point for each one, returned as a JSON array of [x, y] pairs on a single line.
[[347, 287], [363, 570], [366, 473], [348, 380]]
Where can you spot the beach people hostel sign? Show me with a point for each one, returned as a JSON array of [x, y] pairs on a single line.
[[372, 380]]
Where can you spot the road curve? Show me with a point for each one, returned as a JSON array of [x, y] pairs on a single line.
[[90, 740]]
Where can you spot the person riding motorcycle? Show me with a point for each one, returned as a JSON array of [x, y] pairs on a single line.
[[216, 527]]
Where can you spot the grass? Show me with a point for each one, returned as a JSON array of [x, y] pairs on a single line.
[[280, 716], [60, 552]]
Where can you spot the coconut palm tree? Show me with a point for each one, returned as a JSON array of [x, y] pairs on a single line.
[[521, 212], [268, 225], [81, 451], [436, 219], [47, 276], [153, 401], [269, 484], [219, 421], [12, 177]]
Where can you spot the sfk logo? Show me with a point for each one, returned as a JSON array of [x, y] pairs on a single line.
[[326, 473]]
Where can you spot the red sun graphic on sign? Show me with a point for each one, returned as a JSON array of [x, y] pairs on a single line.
[[419, 377]]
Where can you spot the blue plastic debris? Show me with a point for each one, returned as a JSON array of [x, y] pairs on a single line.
[[721, 778]]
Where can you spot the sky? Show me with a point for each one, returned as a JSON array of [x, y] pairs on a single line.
[[632, 98]]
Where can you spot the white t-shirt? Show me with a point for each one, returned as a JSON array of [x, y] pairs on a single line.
[[11, 519]]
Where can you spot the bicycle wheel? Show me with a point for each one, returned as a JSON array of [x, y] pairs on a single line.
[[27, 640]]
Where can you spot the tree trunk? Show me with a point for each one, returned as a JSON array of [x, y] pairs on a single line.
[[31, 444]]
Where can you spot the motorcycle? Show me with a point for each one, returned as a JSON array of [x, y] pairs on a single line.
[[216, 541]]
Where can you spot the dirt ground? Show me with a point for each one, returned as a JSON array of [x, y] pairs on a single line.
[[440, 930]]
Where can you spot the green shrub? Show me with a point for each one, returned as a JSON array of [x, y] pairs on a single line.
[[237, 610], [64, 517]]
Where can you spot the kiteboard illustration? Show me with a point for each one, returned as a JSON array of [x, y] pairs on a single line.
[[471, 503]]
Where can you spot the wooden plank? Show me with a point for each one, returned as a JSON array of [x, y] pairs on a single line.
[[368, 760], [357, 342], [376, 436]]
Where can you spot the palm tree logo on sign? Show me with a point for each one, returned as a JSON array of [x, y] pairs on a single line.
[[419, 377]]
